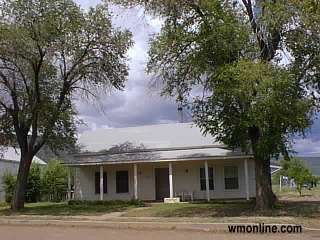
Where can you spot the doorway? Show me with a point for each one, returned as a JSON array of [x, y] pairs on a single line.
[[162, 183]]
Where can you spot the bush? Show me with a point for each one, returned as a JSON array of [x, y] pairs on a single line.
[[55, 181], [295, 169], [9, 183], [108, 203], [33, 184]]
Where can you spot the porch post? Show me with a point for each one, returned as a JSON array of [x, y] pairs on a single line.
[[170, 180], [135, 180], [101, 182], [280, 183], [69, 184], [206, 170], [246, 174]]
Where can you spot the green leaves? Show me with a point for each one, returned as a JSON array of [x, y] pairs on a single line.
[[250, 94], [250, 65], [8, 185], [51, 52], [54, 180], [33, 185], [295, 169], [194, 41]]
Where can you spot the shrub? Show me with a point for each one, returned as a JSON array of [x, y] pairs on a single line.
[[108, 203], [55, 181], [33, 184], [295, 169], [9, 183]]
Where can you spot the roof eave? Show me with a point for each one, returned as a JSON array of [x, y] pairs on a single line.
[[159, 160]]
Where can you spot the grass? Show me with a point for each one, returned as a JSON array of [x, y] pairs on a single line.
[[287, 192], [228, 209], [290, 204], [196, 209], [65, 209]]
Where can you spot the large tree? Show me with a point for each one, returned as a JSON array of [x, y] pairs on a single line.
[[52, 51], [249, 69]]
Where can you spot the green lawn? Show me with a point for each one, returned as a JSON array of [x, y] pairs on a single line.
[[226, 209], [287, 192], [290, 204], [64, 209]]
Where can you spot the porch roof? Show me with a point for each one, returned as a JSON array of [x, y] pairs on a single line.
[[156, 155]]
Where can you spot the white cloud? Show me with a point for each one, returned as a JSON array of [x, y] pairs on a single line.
[[307, 146]]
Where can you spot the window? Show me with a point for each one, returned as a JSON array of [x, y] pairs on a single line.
[[97, 182], [231, 180], [122, 182], [203, 179]]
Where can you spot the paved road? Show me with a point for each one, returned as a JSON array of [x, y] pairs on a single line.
[[15, 232]]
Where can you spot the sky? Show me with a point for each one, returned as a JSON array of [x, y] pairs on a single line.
[[138, 104]]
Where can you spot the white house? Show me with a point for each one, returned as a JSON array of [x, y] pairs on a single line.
[[9, 163], [159, 162]]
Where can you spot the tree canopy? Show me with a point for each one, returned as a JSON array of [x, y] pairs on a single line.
[[248, 69], [52, 51]]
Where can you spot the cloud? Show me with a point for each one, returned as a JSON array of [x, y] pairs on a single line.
[[137, 104], [307, 147], [87, 3], [310, 145]]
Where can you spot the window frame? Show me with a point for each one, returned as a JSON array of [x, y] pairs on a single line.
[[203, 178]]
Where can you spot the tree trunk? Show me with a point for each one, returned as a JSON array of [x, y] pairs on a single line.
[[265, 198], [20, 189]]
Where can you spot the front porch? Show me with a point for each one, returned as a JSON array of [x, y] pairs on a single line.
[[154, 181]]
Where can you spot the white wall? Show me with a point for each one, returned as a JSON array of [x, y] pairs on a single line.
[[6, 166], [186, 177]]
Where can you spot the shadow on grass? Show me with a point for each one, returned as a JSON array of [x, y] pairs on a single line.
[[229, 209], [287, 208], [65, 209]]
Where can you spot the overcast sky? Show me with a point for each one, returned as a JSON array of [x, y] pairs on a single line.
[[137, 104]]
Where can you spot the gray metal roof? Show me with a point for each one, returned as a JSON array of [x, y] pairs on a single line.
[[150, 136], [13, 154], [153, 143]]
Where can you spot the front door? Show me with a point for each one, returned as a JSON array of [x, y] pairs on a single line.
[[162, 183]]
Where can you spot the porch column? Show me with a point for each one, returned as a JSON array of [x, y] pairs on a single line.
[[280, 183], [101, 182], [246, 175], [69, 184], [135, 180], [206, 170], [170, 180]]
